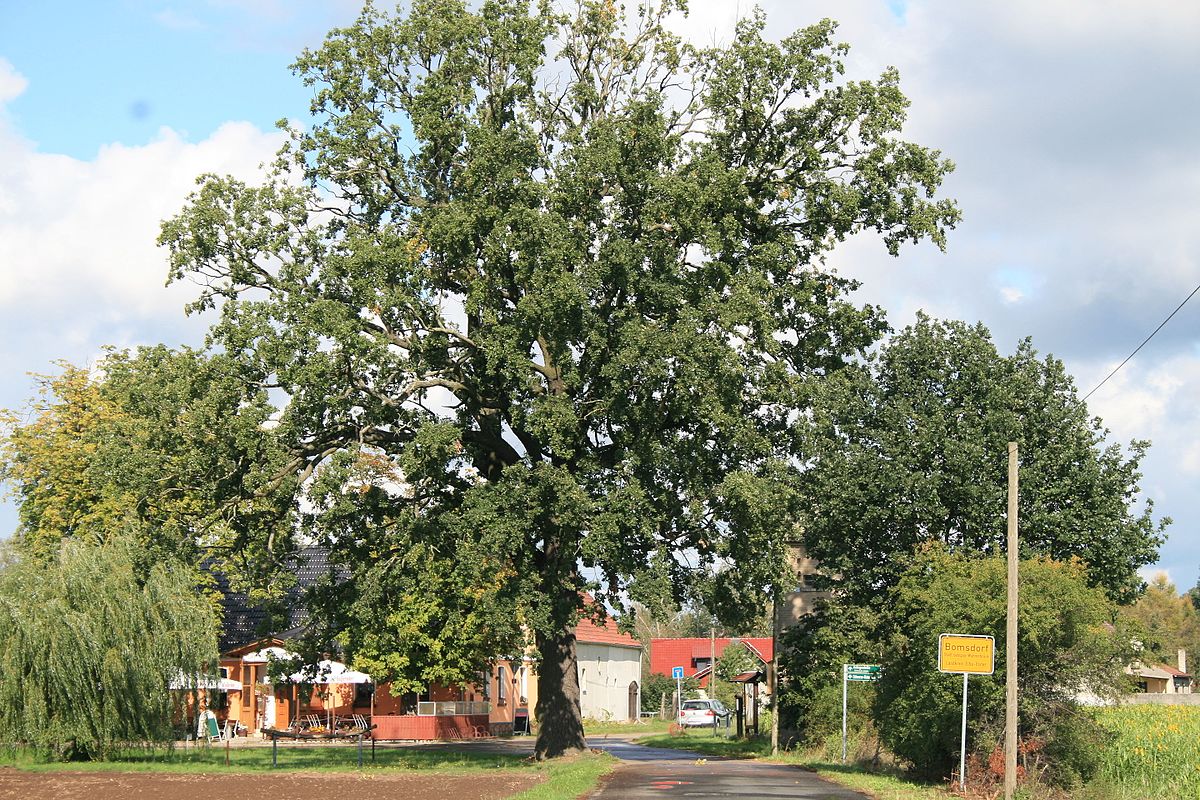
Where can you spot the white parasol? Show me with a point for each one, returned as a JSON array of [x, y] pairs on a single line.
[[266, 654], [329, 673], [187, 683]]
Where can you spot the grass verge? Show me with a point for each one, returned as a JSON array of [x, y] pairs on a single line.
[[702, 741], [570, 778], [291, 759], [880, 785], [649, 726], [564, 778]]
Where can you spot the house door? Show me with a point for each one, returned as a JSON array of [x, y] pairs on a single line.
[[633, 702]]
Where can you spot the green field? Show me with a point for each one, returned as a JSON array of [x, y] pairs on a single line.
[[1156, 753], [650, 725]]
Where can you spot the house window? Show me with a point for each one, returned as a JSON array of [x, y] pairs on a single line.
[[363, 693], [501, 687], [583, 681], [807, 582], [524, 685]]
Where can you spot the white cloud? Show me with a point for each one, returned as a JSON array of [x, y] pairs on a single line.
[[12, 83], [77, 238]]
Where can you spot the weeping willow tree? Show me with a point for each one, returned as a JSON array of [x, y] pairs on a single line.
[[89, 644]]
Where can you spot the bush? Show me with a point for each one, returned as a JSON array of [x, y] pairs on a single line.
[[1067, 645], [1075, 748], [811, 657], [657, 684]]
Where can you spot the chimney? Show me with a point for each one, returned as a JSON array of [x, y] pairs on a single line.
[[1182, 660]]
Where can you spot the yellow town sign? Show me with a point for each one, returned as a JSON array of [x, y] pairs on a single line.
[[974, 655]]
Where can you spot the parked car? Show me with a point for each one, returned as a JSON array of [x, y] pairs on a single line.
[[706, 713]]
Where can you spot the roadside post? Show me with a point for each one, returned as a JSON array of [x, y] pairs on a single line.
[[970, 655], [856, 673], [677, 674], [1010, 634]]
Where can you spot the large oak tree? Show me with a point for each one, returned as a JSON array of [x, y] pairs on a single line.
[[545, 293]]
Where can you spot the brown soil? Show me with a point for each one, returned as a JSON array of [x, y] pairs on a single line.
[[292, 786]]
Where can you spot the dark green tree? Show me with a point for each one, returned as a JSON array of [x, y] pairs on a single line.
[[734, 660], [811, 655], [913, 449], [545, 291], [1067, 645], [90, 641]]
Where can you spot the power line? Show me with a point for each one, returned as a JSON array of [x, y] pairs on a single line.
[[1140, 346]]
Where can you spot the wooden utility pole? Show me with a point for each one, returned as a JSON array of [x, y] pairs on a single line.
[[1010, 648], [773, 673], [712, 670]]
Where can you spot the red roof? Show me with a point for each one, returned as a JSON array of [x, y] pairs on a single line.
[[666, 654], [1174, 673], [591, 633]]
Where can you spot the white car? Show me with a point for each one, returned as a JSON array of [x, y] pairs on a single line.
[[702, 713]]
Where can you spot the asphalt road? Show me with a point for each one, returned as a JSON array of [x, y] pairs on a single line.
[[650, 772]]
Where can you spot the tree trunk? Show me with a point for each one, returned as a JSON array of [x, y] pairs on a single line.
[[560, 723]]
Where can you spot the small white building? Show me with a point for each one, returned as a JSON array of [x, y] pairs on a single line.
[[610, 668]]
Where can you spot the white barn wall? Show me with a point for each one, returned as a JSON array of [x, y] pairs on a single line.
[[605, 672]]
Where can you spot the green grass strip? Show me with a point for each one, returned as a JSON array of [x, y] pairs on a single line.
[[291, 759], [570, 777]]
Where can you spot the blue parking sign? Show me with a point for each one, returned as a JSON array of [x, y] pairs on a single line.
[[677, 673]]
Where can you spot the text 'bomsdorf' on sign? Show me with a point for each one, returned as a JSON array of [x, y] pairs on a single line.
[[975, 655]]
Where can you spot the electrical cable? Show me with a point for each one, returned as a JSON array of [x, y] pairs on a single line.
[[1140, 346]]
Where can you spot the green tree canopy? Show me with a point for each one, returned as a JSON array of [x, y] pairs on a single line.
[[169, 446], [734, 660], [1165, 622], [810, 658], [913, 449], [89, 644], [544, 303]]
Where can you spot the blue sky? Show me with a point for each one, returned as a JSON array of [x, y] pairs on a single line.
[[116, 71], [1073, 125]]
